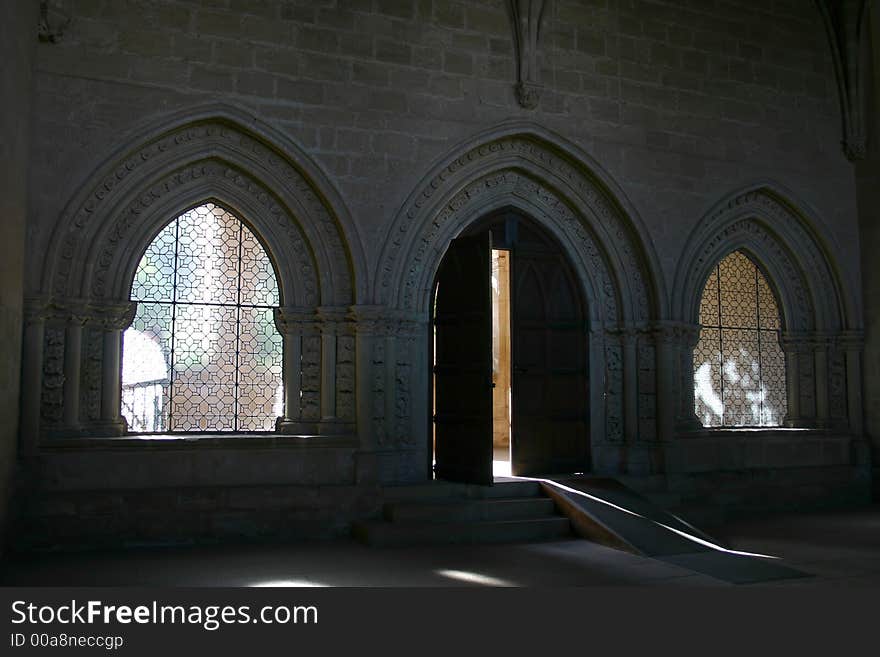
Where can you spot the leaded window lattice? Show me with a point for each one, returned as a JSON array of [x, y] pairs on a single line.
[[203, 353], [739, 366]]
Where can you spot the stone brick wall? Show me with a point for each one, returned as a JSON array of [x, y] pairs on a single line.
[[868, 173], [681, 102], [17, 47]]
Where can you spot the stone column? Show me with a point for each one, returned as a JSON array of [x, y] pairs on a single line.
[[687, 337], [629, 340], [32, 375], [665, 342], [792, 346], [331, 319], [73, 370], [852, 343], [370, 328], [292, 323], [114, 320], [820, 355]]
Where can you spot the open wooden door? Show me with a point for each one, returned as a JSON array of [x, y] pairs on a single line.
[[550, 400], [463, 363]]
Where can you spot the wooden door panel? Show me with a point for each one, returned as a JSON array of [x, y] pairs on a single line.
[[463, 363], [549, 362]]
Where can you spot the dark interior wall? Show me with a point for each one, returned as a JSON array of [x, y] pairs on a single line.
[[868, 175], [682, 103], [18, 37]]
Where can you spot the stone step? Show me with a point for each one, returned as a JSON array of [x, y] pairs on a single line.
[[470, 510], [443, 490], [390, 534]]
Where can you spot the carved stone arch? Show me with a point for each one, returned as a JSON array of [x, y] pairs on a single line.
[[783, 242], [523, 166], [208, 153], [821, 349], [512, 188], [113, 257], [523, 161], [162, 159]]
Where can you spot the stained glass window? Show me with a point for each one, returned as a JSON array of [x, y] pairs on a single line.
[[739, 367], [203, 353]]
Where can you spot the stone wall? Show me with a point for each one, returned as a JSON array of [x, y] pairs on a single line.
[[17, 47], [680, 103], [868, 172], [628, 124]]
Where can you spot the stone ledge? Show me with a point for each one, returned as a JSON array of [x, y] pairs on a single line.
[[201, 441]]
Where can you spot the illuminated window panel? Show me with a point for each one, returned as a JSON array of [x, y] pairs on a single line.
[[203, 353], [739, 367]]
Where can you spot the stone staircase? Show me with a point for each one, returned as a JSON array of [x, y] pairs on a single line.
[[440, 512]]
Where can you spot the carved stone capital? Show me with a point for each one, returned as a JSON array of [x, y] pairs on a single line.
[[294, 320], [334, 319], [805, 341], [675, 333], [36, 310], [851, 340], [855, 147], [384, 321], [115, 317]]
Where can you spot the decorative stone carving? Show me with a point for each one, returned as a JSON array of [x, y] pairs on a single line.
[[837, 403], [613, 389], [526, 18], [172, 159], [806, 384], [345, 378], [311, 378], [797, 264], [52, 398], [90, 389], [813, 302], [418, 237], [403, 391], [647, 389], [207, 171], [846, 24], [377, 364], [100, 237], [52, 24]]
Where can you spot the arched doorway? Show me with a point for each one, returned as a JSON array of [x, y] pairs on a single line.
[[509, 332]]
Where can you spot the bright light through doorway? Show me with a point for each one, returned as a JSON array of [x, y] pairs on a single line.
[[501, 401]]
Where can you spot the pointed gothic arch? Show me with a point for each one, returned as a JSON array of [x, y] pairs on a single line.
[[524, 166], [533, 171], [216, 152], [822, 349]]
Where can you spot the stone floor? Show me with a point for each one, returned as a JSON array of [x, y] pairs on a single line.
[[839, 549]]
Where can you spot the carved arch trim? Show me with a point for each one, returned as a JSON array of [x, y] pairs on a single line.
[[214, 152], [527, 167], [783, 242]]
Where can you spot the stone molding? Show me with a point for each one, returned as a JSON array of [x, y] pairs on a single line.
[[813, 303], [526, 18], [215, 154], [526, 171], [107, 225]]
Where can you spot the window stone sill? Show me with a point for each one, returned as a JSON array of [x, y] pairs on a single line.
[[243, 441]]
